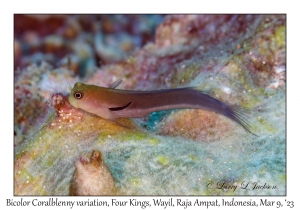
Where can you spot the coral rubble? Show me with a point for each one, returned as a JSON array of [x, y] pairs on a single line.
[[92, 177]]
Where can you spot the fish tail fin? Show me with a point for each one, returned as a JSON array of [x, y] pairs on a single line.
[[239, 115]]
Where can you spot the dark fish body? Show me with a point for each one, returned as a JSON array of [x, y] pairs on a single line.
[[112, 103], [143, 103]]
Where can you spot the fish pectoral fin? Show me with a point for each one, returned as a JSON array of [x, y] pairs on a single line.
[[115, 84], [120, 107], [125, 123]]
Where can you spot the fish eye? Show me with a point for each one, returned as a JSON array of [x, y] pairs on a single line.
[[78, 95]]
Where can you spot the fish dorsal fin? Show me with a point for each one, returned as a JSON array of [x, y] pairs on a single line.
[[115, 84], [70, 87]]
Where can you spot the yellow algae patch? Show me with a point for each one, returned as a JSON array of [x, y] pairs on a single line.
[[153, 141], [279, 36], [163, 160], [193, 157], [135, 181], [265, 126]]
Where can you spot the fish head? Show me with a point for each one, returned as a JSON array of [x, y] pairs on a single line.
[[83, 96], [89, 98], [77, 95]]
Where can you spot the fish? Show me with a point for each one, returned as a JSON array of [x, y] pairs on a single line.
[[112, 104]]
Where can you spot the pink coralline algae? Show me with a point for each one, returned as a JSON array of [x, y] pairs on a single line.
[[238, 59]]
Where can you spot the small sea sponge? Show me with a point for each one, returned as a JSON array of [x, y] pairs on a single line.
[[92, 177]]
